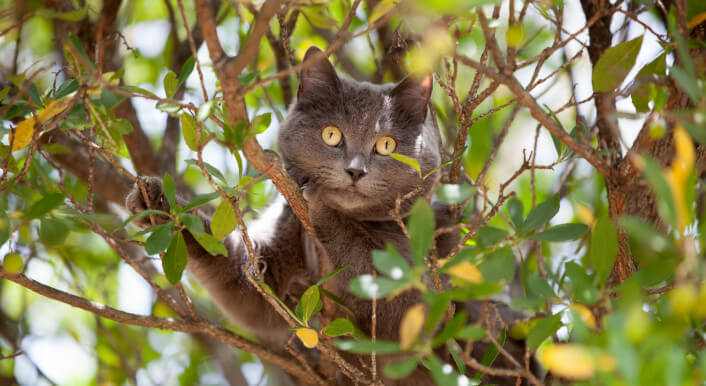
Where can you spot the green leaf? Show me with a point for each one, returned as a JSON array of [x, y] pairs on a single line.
[[189, 131], [169, 190], [169, 108], [170, 84], [72, 16], [66, 88], [450, 194], [603, 248], [686, 82], [421, 230], [392, 264], [369, 287], [138, 90], [641, 96], [205, 110], [516, 211], [413, 163], [211, 244], [259, 124], [316, 16], [644, 233], [449, 162], [223, 221], [499, 265], [308, 302], [544, 328], [438, 304], [382, 8], [330, 275], [174, 260], [76, 43], [186, 70], [53, 231], [471, 332], [44, 205], [538, 286], [614, 65], [488, 236], [451, 328], [270, 292], [665, 200], [249, 77], [339, 327], [563, 232], [193, 222], [200, 200], [140, 215], [697, 131], [340, 303], [456, 353], [491, 353], [368, 346], [540, 215], [209, 168], [401, 369], [453, 7], [583, 289], [159, 239]]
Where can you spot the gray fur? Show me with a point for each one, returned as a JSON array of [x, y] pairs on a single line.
[[351, 217]]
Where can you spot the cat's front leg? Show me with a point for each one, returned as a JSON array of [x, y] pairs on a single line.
[[275, 238]]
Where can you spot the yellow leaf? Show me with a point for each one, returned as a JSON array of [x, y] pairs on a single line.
[[679, 172], [520, 330], [308, 336], [381, 9], [25, 129], [606, 363], [411, 325], [23, 134], [585, 314], [684, 161], [585, 214], [568, 360], [683, 299], [515, 35], [467, 272], [696, 20]]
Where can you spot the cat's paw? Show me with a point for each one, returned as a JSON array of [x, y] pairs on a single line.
[[135, 201]]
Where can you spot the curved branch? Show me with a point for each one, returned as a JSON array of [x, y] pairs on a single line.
[[171, 324]]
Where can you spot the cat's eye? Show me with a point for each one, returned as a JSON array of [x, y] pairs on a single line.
[[385, 145], [331, 135]]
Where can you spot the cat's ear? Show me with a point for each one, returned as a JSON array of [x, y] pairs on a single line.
[[411, 96], [318, 79]]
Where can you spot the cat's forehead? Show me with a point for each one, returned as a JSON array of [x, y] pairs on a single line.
[[363, 103]]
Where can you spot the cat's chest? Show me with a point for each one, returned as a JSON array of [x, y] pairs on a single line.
[[350, 243]]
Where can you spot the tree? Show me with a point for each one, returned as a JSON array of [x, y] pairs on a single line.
[[588, 108]]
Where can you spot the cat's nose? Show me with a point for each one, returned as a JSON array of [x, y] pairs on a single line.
[[356, 174], [356, 168]]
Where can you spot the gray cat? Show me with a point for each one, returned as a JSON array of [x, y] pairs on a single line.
[[335, 143]]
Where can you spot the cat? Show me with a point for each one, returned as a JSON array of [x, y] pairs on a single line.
[[335, 143]]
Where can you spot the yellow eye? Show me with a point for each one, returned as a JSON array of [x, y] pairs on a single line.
[[385, 145], [331, 135]]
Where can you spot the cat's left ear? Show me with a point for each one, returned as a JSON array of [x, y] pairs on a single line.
[[411, 97], [318, 80]]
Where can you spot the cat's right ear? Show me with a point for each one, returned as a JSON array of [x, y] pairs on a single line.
[[318, 79]]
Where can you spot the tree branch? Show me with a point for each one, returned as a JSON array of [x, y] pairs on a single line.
[[162, 323]]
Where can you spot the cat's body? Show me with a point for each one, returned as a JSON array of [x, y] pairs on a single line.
[[350, 189]]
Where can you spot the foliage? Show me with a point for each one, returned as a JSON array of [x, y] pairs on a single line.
[[596, 232]]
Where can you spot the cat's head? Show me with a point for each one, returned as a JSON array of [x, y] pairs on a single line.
[[337, 138]]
